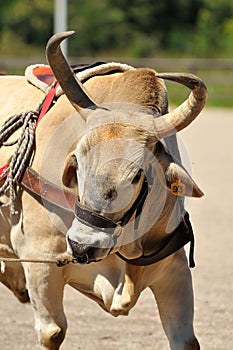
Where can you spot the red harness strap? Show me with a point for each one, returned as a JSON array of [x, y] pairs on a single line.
[[48, 101], [5, 167]]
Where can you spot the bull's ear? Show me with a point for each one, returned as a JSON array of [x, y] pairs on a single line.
[[173, 175], [180, 183], [69, 177]]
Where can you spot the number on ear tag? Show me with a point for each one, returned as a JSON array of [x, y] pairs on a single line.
[[178, 188]]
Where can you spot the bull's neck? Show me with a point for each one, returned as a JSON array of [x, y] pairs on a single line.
[[169, 219]]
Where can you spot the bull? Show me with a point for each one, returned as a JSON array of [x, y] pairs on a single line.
[[109, 146]]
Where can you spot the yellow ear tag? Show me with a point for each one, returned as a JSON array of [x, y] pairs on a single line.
[[178, 188]]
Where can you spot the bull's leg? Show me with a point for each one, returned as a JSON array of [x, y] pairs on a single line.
[[174, 295], [46, 285]]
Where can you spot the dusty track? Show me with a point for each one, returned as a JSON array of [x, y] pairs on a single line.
[[209, 142]]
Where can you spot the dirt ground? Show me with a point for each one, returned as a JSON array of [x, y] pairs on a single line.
[[210, 143]]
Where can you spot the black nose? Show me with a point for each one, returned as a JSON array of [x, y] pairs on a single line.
[[81, 251]]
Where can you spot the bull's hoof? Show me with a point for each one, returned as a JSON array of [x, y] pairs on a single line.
[[51, 337], [193, 345], [23, 296], [116, 312]]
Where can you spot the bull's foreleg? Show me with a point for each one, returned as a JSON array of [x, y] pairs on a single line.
[[45, 284], [174, 295]]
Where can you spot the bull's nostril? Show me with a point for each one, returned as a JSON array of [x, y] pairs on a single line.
[[82, 252], [83, 259], [86, 253], [78, 249], [110, 195]]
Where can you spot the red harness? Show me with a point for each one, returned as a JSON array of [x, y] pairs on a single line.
[[48, 101]]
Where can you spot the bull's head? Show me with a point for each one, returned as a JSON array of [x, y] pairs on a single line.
[[119, 158]]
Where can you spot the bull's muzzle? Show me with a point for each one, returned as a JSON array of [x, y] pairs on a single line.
[[85, 249], [85, 253]]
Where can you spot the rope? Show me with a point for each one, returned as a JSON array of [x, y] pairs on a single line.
[[59, 263], [23, 150], [28, 260]]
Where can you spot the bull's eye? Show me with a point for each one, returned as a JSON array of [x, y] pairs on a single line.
[[137, 177]]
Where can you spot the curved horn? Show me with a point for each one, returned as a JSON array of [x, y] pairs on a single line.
[[71, 86], [182, 116]]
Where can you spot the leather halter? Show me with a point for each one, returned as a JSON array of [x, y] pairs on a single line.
[[43, 189], [91, 218], [47, 191]]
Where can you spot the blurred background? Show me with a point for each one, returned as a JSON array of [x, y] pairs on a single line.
[[166, 35]]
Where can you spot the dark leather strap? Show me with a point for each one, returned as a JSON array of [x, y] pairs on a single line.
[[137, 205], [47, 191], [176, 240], [91, 218]]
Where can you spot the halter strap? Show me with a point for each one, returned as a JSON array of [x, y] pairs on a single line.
[[46, 190], [176, 240]]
